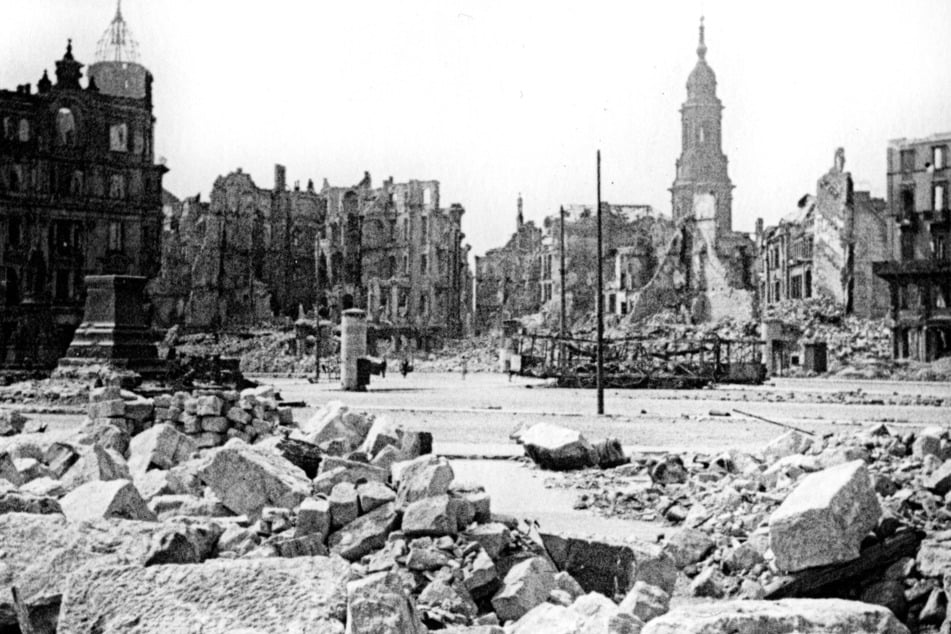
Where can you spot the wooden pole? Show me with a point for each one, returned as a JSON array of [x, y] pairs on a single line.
[[600, 301], [563, 329]]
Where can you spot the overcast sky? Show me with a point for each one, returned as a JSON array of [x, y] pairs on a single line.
[[497, 98]]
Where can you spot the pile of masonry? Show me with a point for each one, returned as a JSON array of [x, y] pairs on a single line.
[[862, 515], [343, 523]]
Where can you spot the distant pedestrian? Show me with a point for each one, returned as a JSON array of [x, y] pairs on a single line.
[[465, 367]]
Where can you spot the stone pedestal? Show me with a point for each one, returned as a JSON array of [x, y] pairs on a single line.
[[353, 345], [114, 332]]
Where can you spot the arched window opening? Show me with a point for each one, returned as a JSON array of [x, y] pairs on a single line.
[[119, 137], [66, 126]]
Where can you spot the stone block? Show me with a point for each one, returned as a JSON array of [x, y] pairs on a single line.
[[558, 448], [373, 494], [313, 518], [378, 603], [526, 585], [344, 504], [434, 516], [105, 499], [645, 601], [803, 616], [209, 405], [260, 595], [247, 480], [161, 447], [365, 534], [216, 424], [420, 478], [825, 518]]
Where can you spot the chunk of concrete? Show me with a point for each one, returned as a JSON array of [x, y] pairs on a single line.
[[557, 448], [688, 546], [825, 518], [105, 499], [787, 444], [260, 595], [527, 584], [247, 480], [803, 616]]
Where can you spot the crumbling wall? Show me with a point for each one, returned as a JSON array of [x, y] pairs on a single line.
[[832, 219]]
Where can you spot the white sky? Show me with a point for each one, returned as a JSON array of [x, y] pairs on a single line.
[[494, 98]]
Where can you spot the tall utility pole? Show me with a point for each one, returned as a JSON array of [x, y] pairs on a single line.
[[600, 301], [561, 347]]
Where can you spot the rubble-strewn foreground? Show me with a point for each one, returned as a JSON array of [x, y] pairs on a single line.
[[169, 514]]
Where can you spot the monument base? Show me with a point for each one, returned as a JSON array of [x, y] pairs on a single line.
[[114, 333]]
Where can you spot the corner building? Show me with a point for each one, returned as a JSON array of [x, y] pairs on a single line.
[[79, 194]]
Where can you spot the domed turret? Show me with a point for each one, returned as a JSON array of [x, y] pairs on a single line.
[[117, 70], [702, 82]]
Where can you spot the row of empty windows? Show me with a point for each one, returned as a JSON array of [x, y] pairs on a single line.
[[19, 129], [21, 179], [939, 159]]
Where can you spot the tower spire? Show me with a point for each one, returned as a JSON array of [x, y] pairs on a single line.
[[702, 46]]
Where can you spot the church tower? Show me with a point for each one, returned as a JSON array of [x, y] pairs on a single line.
[[702, 188]]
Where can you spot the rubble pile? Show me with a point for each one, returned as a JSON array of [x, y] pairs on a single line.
[[269, 352], [133, 521], [861, 515], [480, 354], [44, 394]]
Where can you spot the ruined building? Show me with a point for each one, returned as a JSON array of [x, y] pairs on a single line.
[[708, 267], [917, 267], [524, 277], [79, 194], [239, 259], [825, 248], [507, 279], [251, 254], [393, 251]]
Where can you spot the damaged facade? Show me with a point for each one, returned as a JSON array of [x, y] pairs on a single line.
[[241, 258], [826, 248], [393, 251], [251, 254], [79, 194], [917, 267], [707, 267]]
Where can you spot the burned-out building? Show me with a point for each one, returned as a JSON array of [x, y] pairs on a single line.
[[826, 247], [80, 193], [508, 279], [395, 252], [241, 258], [917, 267]]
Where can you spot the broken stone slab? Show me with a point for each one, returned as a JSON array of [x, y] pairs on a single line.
[[355, 470], [382, 434], [606, 566], [441, 596], [313, 518], [688, 546], [825, 518], [803, 616], [550, 619], [262, 595], [645, 601], [527, 584], [41, 550], [494, 537], [185, 505], [557, 448], [336, 421], [247, 480], [102, 499], [159, 446], [934, 555], [23, 502], [344, 505], [610, 453], [59, 457], [364, 534], [790, 443], [378, 603], [601, 615], [480, 576], [939, 481], [422, 477], [374, 494], [432, 516], [44, 487], [11, 422]]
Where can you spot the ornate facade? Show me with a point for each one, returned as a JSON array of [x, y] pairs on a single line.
[[80, 194]]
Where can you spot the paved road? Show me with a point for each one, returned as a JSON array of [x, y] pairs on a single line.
[[477, 415]]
